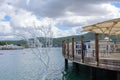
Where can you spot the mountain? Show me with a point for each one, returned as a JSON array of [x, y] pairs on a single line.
[[57, 42], [16, 42], [88, 36]]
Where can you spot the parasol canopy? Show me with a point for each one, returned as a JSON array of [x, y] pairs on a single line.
[[111, 27]]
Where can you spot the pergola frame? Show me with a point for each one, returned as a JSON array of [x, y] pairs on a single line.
[[111, 27]]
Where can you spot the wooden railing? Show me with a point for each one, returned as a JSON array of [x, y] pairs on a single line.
[[69, 52]]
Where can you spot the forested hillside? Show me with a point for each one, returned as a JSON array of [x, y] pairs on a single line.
[[58, 41]]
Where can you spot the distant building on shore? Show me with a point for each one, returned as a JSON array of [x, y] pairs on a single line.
[[10, 47]]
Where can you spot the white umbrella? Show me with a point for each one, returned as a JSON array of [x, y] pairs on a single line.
[[111, 27]]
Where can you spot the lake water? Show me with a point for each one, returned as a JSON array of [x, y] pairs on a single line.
[[24, 65]]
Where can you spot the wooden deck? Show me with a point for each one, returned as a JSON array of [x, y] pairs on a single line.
[[109, 63], [101, 56]]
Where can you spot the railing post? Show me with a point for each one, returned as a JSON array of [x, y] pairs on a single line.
[[73, 48], [63, 47], [97, 48], [66, 63], [82, 48], [68, 48], [93, 75], [118, 75]]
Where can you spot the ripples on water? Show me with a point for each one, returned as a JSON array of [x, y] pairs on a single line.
[[24, 65]]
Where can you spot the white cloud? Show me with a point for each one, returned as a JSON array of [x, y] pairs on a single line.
[[2, 14], [63, 33], [73, 14], [6, 31], [5, 28], [22, 19], [10, 37], [59, 8]]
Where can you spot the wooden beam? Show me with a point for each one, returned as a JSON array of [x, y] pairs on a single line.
[[68, 48], [97, 48], [93, 75], [63, 47], [66, 63], [76, 67], [73, 48], [82, 47], [118, 75]]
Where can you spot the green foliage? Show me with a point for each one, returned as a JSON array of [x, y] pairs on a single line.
[[2, 43], [57, 42], [19, 42]]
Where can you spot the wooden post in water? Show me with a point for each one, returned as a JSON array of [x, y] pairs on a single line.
[[82, 47], [68, 48], [64, 53], [66, 63], [73, 48], [76, 67], [93, 73], [63, 47], [118, 75], [97, 48]]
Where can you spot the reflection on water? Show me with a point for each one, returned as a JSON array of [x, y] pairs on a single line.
[[85, 73], [23, 65]]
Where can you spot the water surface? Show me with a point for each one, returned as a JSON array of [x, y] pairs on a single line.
[[24, 65]]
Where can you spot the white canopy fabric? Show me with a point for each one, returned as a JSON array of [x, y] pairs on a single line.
[[111, 27]]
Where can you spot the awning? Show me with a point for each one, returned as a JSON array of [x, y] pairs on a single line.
[[111, 27]]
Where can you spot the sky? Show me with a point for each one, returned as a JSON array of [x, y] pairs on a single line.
[[65, 17]]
